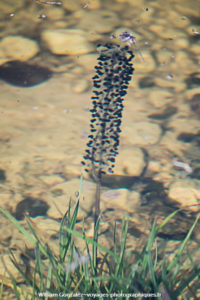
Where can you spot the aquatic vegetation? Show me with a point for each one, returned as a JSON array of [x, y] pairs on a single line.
[[113, 73], [69, 272]]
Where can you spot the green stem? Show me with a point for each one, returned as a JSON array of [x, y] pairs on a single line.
[[97, 199]]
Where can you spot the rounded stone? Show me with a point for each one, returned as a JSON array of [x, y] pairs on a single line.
[[18, 48], [178, 20], [154, 166], [142, 133], [143, 61], [117, 196], [160, 98], [171, 82], [131, 163], [55, 14], [46, 225], [166, 33], [102, 21], [67, 41], [187, 9], [195, 48], [8, 6], [183, 56], [191, 92], [155, 28], [3, 58], [71, 5], [64, 193], [52, 179], [6, 261], [178, 125], [164, 56], [182, 43], [185, 192], [147, 15], [94, 4], [120, 199], [80, 86], [88, 61], [135, 4]]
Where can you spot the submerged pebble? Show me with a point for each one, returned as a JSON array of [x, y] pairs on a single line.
[[67, 41], [142, 133], [18, 48], [185, 192]]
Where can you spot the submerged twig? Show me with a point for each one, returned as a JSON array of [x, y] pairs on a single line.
[[49, 2]]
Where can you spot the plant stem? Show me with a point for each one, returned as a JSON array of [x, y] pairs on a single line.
[[97, 178], [97, 198]]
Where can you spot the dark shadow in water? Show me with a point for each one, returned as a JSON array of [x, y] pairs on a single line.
[[34, 207], [23, 74]]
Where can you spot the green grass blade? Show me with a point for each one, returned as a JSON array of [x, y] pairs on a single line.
[[18, 226], [122, 250], [54, 265], [88, 252], [91, 241], [39, 267], [17, 294], [37, 239], [148, 249], [156, 253], [166, 220], [94, 245], [65, 237], [70, 260], [182, 246], [113, 273], [114, 239], [151, 271], [74, 216], [49, 278]]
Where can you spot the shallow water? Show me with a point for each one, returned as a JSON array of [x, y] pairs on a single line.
[[44, 127]]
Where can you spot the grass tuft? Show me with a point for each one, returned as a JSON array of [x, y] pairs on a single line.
[[70, 272]]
